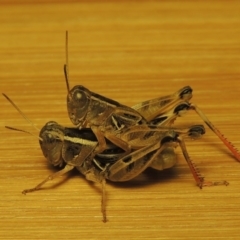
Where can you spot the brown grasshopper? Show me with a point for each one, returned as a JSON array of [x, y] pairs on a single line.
[[103, 115], [64, 146], [106, 117], [160, 111]]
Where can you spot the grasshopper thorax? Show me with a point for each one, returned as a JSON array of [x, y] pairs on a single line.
[[52, 135], [78, 100]]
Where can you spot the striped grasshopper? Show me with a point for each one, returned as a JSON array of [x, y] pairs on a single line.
[[106, 117], [65, 146], [161, 111]]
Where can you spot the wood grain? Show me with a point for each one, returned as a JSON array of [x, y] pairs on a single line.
[[129, 51]]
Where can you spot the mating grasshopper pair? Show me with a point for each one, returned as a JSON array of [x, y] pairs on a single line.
[[151, 142], [115, 142]]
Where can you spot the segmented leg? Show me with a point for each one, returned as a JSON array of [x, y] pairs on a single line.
[[103, 203], [49, 178], [93, 175], [137, 161], [140, 136], [162, 111], [111, 137], [168, 118], [228, 144], [195, 172], [153, 108], [100, 139]]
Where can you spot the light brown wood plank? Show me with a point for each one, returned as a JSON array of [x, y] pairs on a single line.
[[131, 52]]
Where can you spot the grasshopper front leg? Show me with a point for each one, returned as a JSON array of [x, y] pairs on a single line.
[[111, 137], [49, 178]]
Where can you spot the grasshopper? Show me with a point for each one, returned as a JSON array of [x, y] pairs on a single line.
[[106, 117], [160, 111], [64, 147], [103, 115]]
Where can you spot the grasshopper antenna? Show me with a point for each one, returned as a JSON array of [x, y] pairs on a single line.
[[66, 65], [228, 144], [22, 114], [20, 130]]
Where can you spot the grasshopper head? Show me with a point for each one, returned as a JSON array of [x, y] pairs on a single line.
[[52, 142], [78, 100]]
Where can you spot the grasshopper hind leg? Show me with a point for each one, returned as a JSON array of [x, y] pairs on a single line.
[[200, 181]]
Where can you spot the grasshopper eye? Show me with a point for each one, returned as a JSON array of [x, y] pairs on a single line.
[[51, 147], [80, 99], [48, 144], [51, 143], [51, 140]]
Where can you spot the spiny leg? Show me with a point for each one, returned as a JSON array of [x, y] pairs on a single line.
[[195, 172], [228, 144], [131, 165], [49, 178]]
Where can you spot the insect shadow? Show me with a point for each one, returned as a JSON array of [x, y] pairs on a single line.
[[149, 177]]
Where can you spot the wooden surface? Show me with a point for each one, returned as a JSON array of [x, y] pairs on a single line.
[[129, 51]]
